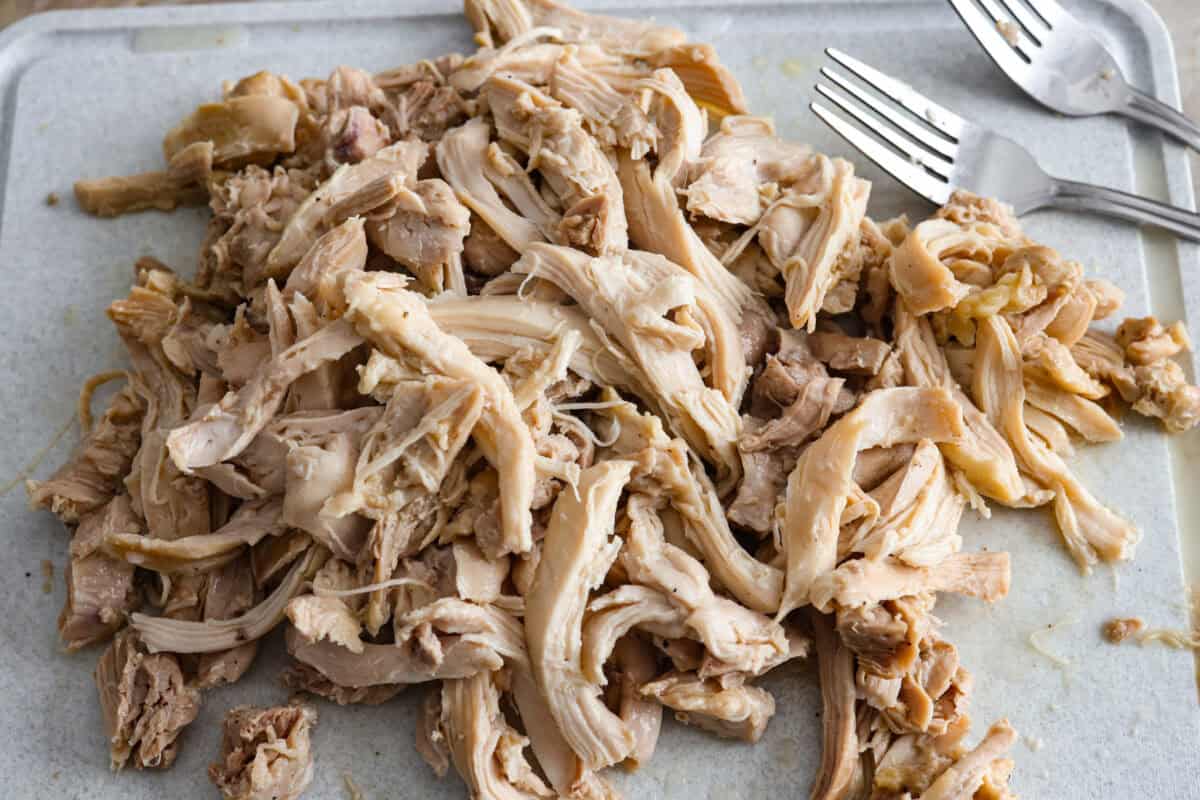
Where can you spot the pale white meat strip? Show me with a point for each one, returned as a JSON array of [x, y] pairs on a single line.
[[576, 553], [397, 321], [820, 486]]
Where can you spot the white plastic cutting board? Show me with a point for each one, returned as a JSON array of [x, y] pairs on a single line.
[[91, 93]]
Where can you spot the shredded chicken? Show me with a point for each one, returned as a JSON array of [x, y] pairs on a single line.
[[732, 712], [839, 747], [548, 376], [144, 701], [576, 554], [1119, 629], [819, 488], [184, 183], [265, 753]]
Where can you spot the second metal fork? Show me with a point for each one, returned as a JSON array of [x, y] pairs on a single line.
[[1062, 65], [934, 151]]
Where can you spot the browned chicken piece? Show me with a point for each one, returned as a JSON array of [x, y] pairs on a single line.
[[1146, 341], [266, 753], [246, 129], [100, 588], [1119, 629], [144, 701], [185, 182], [94, 473]]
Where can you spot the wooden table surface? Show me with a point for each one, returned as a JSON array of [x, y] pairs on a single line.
[[1182, 18]]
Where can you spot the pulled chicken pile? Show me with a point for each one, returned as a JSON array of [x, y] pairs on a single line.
[[550, 378]]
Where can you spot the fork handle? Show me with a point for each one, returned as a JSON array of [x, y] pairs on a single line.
[[1152, 111], [1123, 205]]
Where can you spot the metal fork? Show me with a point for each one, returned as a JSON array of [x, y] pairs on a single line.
[[933, 151], [1061, 64]]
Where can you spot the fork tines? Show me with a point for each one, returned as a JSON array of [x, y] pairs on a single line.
[[1010, 31], [905, 133]]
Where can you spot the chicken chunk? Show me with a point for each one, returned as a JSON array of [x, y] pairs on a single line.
[[266, 753], [145, 703]]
